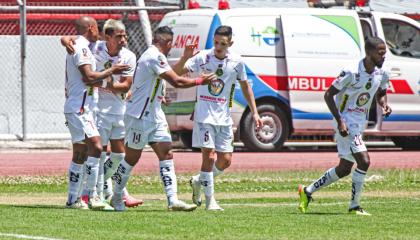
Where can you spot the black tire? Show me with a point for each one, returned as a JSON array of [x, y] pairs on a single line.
[[407, 143], [272, 135], [186, 139]]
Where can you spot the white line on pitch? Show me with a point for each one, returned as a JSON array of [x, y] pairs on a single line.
[[12, 235]]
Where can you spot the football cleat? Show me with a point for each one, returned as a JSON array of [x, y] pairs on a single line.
[[118, 203], [96, 203], [78, 204], [131, 202], [196, 187], [359, 211], [85, 198], [211, 204], [304, 199], [181, 206]]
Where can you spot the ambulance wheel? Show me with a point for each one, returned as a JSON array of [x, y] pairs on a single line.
[[273, 133], [407, 143]]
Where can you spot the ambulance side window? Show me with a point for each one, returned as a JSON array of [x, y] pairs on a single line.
[[367, 29], [402, 38]]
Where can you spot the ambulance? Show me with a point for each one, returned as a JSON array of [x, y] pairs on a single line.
[[292, 56]]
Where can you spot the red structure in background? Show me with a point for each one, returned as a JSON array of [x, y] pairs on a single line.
[[47, 23]]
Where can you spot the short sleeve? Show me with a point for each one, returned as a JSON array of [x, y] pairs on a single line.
[[241, 71], [159, 64], [343, 80], [193, 64], [385, 81], [82, 56], [131, 61]]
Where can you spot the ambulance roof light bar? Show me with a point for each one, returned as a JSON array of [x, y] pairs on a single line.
[[351, 4]]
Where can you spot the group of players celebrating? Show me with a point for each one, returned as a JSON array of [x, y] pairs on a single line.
[[112, 98]]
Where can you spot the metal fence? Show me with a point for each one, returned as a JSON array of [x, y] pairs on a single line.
[[34, 110]]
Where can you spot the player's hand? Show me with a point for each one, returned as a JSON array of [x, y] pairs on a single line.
[[69, 46], [166, 101], [208, 78], [119, 68], [189, 50], [342, 129], [258, 122], [386, 111], [128, 95]]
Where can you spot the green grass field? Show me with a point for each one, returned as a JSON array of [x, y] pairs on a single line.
[[257, 206]]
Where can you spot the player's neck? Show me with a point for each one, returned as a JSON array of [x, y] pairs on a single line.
[[112, 52], [221, 56], [369, 65]]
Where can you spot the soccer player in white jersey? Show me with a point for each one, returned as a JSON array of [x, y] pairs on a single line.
[[110, 104], [212, 118], [80, 79], [145, 121], [354, 91]]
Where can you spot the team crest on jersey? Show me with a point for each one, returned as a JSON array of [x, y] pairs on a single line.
[[368, 85], [108, 64], [219, 72], [362, 99], [216, 87]]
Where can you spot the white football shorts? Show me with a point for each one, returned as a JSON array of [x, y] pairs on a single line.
[[141, 132], [216, 137], [81, 126]]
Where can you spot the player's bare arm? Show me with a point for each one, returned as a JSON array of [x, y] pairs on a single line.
[[179, 67], [329, 99], [68, 42], [90, 76], [183, 82], [249, 96], [123, 86], [381, 99]]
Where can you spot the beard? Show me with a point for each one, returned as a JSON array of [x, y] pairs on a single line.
[[379, 64]]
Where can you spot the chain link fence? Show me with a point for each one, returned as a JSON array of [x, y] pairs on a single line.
[[45, 62]]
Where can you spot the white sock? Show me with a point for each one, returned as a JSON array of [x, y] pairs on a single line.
[[121, 177], [329, 177], [216, 171], [167, 173], [112, 163], [92, 169], [108, 188], [358, 179], [100, 183], [75, 181], [206, 180]]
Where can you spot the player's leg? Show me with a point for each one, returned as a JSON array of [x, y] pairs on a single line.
[[135, 140], [76, 168], [358, 180], [331, 175], [161, 142], [104, 123], [94, 145]]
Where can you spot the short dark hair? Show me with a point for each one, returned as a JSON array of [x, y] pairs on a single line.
[[224, 31], [160, 32], [372, 43]]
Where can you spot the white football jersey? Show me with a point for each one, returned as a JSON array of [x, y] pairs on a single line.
[[214, 100], [357, 90], [148, 89], [110, 102], [79, 96]]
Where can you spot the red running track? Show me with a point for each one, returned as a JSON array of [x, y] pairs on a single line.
[[56, 162]]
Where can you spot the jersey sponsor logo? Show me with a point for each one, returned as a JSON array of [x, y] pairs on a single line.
[[216, 87], [182, 40], [108, 64], [161, 60], [368, 85], [84, 51], [362, 99]]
